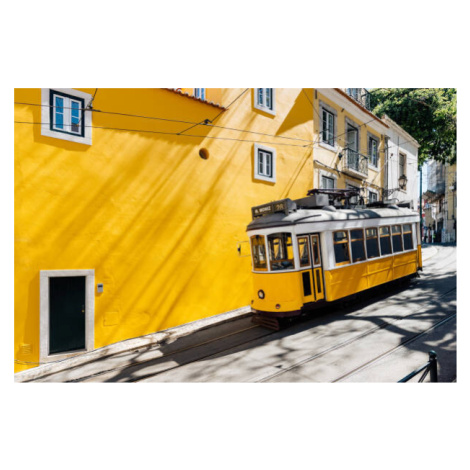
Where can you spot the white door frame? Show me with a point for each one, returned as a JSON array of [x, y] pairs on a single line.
[[44, 277]]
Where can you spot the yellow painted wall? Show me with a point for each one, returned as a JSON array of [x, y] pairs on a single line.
[[158, 224]]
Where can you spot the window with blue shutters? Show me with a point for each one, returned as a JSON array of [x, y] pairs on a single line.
[[65, 115]]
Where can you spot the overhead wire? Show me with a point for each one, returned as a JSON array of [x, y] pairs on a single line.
[[170, 133], [226, 107], [193, 124]]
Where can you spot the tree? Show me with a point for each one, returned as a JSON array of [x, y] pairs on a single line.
[[427, 114]]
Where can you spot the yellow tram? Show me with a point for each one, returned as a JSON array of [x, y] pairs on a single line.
[[321, 248]]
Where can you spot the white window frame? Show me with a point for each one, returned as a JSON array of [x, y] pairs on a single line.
[[262, 175], [263, 104], [67, 114], [44, 312], [369, 191], [323, 177], [377, 141], [329, 114], [49, 129], [327, 174], [323, 106], [200, 93]]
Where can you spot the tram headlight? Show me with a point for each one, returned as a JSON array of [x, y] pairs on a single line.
[[261, 294]]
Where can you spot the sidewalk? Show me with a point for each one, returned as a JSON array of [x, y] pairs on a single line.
[[91, 360]]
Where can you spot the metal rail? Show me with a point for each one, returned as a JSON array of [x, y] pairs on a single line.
[[430, 366]]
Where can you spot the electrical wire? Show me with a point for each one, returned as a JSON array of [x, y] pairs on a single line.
[[317, 141], [193, 124], [226, 107], [169, 133]]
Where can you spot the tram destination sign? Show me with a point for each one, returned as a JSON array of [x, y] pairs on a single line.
[[278, 206]]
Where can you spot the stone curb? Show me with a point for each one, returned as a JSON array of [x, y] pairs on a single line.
[[154, 339]]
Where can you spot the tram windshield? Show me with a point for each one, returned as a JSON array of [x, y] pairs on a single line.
[[258, 251], [281, 252]]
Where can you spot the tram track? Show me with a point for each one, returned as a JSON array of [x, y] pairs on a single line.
[[382, 326], [348, 342], [163, 357], [267, 333], [242, 341], [396, 348]]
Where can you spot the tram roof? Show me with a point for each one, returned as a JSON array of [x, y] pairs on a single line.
[[301, 216]]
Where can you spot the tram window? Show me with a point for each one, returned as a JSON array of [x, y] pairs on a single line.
[[316, 250], [303, 252], [258, 250], [372, 243], [281, 253], [396, 238], [358, 252], [340, 241], [385, 246], [407, 237]]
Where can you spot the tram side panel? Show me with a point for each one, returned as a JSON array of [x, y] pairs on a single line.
[[280, 293], [352, 278]]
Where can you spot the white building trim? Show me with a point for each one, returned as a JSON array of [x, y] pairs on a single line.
[[44, 277]]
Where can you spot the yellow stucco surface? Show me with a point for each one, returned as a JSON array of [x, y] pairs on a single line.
[[157, 223]]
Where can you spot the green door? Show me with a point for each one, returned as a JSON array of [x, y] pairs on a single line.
[[66, 314]]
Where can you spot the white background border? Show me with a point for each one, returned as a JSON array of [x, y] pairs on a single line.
[[358, 426]]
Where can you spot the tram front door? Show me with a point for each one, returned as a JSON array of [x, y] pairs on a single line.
[[317, 268], [310, 261]]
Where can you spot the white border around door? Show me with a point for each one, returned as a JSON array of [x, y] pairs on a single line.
[[44, 277]]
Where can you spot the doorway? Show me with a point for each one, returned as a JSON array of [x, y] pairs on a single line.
[[66, 313]]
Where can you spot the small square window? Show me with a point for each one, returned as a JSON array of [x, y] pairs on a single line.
[[63, 115], [265, 163], [265, 100], [327, 182]]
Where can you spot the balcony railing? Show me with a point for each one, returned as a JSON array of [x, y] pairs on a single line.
[[361, 95], [355, 162]]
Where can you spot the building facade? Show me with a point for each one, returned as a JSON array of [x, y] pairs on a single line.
[[349, 142], [441, 203], [131, 207], [401, 156]]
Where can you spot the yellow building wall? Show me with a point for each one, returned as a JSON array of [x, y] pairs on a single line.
[[157, 223], [328, 160]]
